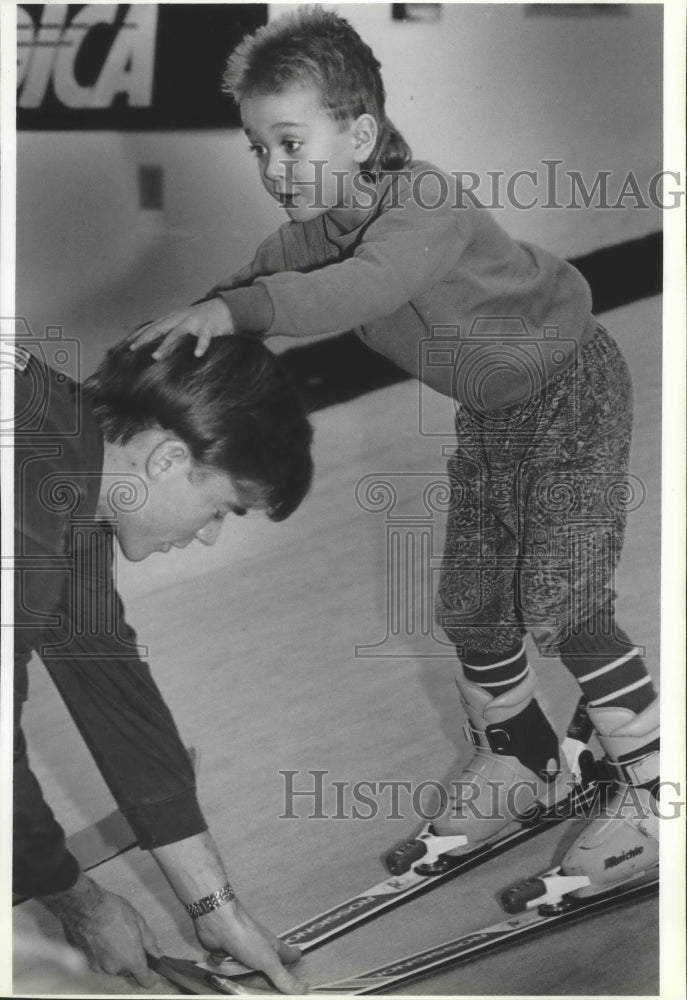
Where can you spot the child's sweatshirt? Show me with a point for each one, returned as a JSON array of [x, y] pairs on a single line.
[[426, 277]]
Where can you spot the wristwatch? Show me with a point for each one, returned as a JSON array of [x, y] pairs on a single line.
[[209, 903]]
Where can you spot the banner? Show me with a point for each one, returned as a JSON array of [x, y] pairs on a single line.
[[128, 66]]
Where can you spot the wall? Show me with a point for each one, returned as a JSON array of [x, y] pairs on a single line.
[[499, 89], [486, 88]]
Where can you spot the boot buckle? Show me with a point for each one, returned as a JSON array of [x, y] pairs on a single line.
[[477, 737], [499, 740]]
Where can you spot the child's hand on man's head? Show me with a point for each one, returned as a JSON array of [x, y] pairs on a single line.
[[204, 320]]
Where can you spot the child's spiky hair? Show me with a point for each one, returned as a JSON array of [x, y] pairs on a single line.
[[315, 47]]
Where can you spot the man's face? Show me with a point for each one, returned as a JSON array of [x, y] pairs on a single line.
[[306, 159], [182, 503]]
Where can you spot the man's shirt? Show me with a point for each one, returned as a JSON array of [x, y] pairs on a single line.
[[68, 611]]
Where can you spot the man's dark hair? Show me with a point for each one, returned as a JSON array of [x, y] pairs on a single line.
[[315, 47], [235, 408]]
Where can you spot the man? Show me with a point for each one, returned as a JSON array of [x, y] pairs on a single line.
[[154, 454]]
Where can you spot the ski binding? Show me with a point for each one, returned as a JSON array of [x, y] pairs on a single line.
[[549, 890]]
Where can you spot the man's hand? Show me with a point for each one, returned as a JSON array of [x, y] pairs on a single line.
[[230, 930], [194, 869], [204, 320], [106, 928]]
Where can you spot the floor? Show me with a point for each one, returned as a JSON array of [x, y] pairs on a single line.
[[298, 647]]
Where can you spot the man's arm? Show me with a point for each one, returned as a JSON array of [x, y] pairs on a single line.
[[41, 862], [195, 871], [112, 935], [93, 658], [133, 738]]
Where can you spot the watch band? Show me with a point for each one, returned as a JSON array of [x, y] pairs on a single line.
[[209, 903]]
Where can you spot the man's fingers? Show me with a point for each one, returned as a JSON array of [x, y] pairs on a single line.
[[141, 972], [148, 939], [288, 953], [144, 977], [285, 982]]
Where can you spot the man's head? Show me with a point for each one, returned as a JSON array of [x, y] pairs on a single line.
[[312, 104], [199, 438]]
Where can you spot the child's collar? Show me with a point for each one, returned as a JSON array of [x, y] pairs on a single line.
[[344, 220]]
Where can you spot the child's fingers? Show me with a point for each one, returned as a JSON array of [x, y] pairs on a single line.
[[167, 344], [150, 331], [147, 333], [204, 338]]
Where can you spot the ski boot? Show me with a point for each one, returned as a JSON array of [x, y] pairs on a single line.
[[517, 774], [620, 843]]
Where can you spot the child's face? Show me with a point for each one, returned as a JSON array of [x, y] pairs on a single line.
[[306, 159]]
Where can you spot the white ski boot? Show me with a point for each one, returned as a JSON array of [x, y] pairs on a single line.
[[518, 769], [620, 843], [519, 778], [518, 773]]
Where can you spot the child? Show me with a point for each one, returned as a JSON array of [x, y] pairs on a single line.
[[390, 247]]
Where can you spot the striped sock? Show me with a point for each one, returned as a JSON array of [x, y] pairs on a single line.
[[606, 665], [496, 676]]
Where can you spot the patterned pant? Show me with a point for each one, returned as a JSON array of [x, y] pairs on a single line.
[[539, 496]]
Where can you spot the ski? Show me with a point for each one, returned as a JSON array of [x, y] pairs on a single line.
[[422, 864], [545, 904], [425, 873]]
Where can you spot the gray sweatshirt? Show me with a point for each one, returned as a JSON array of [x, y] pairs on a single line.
[[427, 277]]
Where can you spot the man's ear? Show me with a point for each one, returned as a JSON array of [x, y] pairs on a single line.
[[169, 457], [364, 132]]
